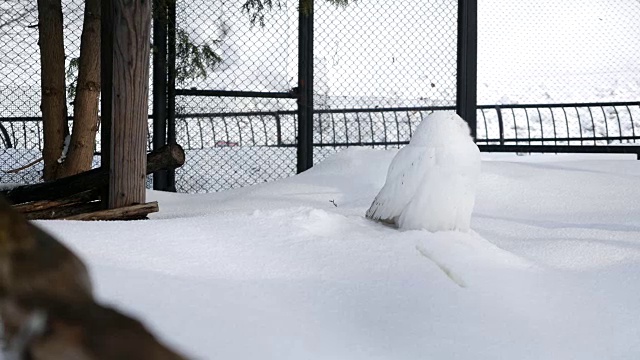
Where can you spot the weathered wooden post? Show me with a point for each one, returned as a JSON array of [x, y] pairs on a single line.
[[131, 24]]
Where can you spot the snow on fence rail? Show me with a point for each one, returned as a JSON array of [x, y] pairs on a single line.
[[228, 150]]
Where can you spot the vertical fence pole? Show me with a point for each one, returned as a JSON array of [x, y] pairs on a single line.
[[171, 88], [106, 76], [500, 124], [160, 90], [305, 88], [466, 92]]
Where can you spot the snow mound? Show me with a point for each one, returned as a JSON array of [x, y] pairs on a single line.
[[431, 182], [551, 269]]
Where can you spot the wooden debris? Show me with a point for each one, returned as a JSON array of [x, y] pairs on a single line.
[[41, 205], [133, 212], [80, 197], [64, 211]]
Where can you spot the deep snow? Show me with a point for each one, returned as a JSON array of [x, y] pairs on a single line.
[[293, 270]]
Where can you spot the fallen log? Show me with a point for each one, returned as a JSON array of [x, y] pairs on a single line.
[[133, 212], [64, 211], [166, 158], [41, 205]]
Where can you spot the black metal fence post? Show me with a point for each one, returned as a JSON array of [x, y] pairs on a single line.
[[159, 92], [466, 93], [171, 87], [305, 88], [106, 76]]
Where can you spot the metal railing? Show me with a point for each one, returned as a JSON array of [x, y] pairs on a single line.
[[222, 148], [598, 124], [559, 124]]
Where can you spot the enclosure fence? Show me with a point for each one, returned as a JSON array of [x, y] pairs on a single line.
[[230, 77]]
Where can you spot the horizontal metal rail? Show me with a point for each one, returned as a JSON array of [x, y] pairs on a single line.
[[561, 139], [547, 127], [620, 149], [385, 109], [228, 93], [561, 105], [235, 114]]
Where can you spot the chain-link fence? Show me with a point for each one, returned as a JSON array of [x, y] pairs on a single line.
[[379, 68], [21, 129], [20, 114], [560, 52], [367, 55], [230, 140], [380, 55]]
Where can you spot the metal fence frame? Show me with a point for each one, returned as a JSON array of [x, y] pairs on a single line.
[[165, 91], [585, 141], [165, 117]]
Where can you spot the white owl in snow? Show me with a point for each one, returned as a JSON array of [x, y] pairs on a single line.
[[431, 182]]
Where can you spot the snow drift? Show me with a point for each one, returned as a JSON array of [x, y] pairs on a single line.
[[292, 269]]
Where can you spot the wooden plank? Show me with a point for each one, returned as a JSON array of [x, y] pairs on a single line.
[[62, 212], [40, 205]]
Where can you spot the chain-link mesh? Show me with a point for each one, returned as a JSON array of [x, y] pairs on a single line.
[[228, 149], [395, 53], [571, 51], [380, 67], [379, 55], [237, 141], [21, 135], [20, 114], [575, 61]]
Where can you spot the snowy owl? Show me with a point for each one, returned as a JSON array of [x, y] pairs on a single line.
[[431, 182]]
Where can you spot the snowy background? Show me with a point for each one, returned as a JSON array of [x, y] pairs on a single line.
[[292, 269], [394, 53]]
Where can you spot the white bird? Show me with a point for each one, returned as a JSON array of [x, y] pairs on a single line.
[[431, 182]]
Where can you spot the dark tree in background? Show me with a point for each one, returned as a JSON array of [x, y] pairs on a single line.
[[87, 95], [70, 151]]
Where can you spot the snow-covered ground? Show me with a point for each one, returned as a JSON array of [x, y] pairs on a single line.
[[292, 269]]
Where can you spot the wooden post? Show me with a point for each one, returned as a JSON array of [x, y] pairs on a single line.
[[131, 52]]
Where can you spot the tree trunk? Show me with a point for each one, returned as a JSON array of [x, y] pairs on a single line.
[[131, 50], [54, 110], [85, 118]]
